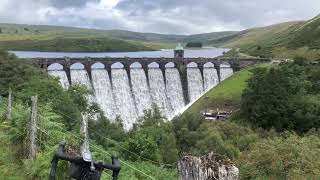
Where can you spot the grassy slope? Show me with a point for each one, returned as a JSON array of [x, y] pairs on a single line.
[[285, 40], [259, 34], [74, 45], [226, 95], [9, 166]]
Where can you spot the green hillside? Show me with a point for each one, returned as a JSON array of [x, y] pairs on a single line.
[[285, 40], [307, 34], [259, 34], [74, 45]]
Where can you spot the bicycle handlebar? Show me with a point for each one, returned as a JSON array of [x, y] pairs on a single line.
[[60, 155]]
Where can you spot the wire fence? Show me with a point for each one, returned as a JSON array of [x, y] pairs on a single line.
[[120, 146], [102, 150]]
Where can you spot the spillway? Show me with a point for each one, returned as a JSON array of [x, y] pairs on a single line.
[[125, 107], [174, 90], [127, 98], [195, 83], [211, 78], [140, 91], [158, 91], [225, 72], [103, 92], [81, 77], [61, 74]]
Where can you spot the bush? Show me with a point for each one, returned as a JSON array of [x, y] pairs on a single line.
[[287, 157], [284, 98]]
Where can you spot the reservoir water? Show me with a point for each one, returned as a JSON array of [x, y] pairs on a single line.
[[206, 52]]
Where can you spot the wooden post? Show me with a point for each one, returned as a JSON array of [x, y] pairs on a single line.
[[84, 132], [33, 128], [9, 106]]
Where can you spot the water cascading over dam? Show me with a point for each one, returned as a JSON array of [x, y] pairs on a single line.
[[127, 94]]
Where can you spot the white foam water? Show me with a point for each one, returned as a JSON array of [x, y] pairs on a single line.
[[140, 91], [125, 107], [195, 83], [211, 78], [225, 72], [103, 92], [61, 74], [174, 90], [81, 77], [158, 91]]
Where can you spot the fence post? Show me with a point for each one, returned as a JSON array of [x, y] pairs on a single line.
[[33, 127], [84, 133], [9, 106]]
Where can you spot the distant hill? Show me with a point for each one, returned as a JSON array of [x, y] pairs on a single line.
[[58, 38], [207, 37]]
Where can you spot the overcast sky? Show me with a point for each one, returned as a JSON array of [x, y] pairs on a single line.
[[159, 16]]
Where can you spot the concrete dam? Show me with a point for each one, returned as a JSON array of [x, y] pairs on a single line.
[[125, 87]]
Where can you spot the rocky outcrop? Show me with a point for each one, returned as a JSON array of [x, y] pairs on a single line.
[[208, 167]]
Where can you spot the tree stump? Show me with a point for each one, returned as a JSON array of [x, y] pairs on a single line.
[[208, 167]]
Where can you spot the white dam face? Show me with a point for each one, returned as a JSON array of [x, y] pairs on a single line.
[[117, 95]]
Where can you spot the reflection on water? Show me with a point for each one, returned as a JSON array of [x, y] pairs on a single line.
[[167, 53]]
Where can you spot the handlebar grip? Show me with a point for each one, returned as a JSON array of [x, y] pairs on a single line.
[[115, 162], [61, 147], [55, 159]]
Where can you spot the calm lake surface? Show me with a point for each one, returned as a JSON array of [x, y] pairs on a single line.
[[207, 52]]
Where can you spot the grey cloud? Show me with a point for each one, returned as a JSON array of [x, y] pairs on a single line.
[[160, 16], [245, 13], [70, 3]]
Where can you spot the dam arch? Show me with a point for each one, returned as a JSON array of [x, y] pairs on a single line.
[[77, 66], [98, 65], [153, 65], [55, 66], [136, 65], [225, 65], [170, 65], [117, 65], [208, 65], [192, 65]]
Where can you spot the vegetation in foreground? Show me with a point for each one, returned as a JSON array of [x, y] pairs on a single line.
[[58, 119]]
